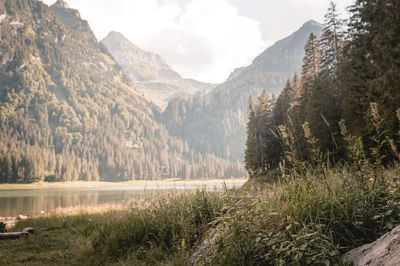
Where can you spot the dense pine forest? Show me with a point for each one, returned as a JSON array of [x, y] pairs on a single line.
[[67, 112], [323, 156], [348, 94]]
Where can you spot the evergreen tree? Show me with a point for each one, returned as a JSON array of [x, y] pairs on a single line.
[[311, 61], [283, 104], [332, 41], [370, 68], [251, 144]]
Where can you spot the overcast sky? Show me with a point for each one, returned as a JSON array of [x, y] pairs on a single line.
[[202, 39]]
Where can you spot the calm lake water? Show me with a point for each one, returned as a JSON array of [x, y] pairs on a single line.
[[33, 201]]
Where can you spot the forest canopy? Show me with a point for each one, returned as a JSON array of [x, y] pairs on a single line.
[[348, 92]]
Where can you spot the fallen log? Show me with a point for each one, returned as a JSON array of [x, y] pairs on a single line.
[[16, 235]]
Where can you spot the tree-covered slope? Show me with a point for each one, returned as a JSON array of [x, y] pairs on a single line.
[[216, 123], [155, 78], [67, 111], [345, 108]]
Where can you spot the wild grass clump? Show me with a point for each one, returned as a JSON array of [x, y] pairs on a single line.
[[316, 213], [165, 231], [305, 221]]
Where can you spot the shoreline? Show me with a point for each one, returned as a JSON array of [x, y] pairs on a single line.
[[100, 184]]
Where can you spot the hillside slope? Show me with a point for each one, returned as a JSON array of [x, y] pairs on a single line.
[[68, 113], [216, 122]]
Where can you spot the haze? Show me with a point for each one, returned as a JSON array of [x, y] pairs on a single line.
[[202, 39]]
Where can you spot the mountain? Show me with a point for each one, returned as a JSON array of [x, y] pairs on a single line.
[[279, 62], [216, 123], [158, 82], [67, 112]]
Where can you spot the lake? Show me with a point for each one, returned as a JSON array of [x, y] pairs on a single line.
[[32, 202]]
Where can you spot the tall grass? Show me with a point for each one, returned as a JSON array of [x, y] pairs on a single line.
[[304, 221], [168, 230], [316, 213]]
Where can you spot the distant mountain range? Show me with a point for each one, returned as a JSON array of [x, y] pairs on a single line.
[[67, 111], [149, 71], [216, 122], [72, 108]]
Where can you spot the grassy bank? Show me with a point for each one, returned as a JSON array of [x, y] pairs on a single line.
[[309, 218], [163, 230]]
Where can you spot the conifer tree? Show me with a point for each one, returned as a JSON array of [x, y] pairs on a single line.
[[370, 68], [311, 61], [332, 42], [251, 153], [283, 104]]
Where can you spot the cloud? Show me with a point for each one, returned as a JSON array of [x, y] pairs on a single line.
[[201, 39], [209, 40]]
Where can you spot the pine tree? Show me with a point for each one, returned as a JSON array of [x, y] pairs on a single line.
[[251, 152], [370, 69], [332, 41], [283, 104], [311, 61]]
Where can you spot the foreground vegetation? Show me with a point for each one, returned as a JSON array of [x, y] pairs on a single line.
[[163, 230], [308, 218]]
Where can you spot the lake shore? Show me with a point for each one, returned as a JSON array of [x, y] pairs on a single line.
[[81, 184]]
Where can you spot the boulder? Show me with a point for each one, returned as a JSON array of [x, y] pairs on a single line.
[[383, 252]]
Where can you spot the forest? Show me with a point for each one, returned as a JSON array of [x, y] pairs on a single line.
[[67, 113], [323, 159], [348, 94]]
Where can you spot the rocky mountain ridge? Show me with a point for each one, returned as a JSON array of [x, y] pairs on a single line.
[[158, 82]]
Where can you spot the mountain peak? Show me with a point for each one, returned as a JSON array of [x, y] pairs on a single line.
[[284, 57], [117, 37], [148, 65], [61, 3], [159, 81], [312, 23]]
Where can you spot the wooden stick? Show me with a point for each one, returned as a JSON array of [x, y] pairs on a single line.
[[73, 230]]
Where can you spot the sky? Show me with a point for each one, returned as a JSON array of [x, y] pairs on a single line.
[[202, 39]]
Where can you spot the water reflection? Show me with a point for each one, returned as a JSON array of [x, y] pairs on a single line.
[[33, 202]]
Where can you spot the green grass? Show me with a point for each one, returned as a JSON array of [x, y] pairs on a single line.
[[163, 231], [52, 244], [308, 218]]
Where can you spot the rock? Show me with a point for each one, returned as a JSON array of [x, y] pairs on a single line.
[[22, 217], [8, 221], [383, 252], [2, 227], [200, 256]]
